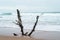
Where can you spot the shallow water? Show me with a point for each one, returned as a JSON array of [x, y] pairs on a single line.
[[47, 21]]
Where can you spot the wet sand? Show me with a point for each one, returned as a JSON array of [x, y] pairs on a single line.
[[7, 34], [17, 38], [37, 35]]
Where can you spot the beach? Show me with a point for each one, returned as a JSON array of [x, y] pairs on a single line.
[[48, 27], [7, 34], [16, 38]]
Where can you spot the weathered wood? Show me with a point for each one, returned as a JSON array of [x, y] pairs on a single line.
[[34, 26], [20, 22], [15, 34]]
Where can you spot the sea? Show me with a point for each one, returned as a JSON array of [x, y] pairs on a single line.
[[46, 22]]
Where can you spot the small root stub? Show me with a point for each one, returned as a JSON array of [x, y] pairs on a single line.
[[15, 34]]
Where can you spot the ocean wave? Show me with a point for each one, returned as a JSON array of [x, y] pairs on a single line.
[[6, 14]]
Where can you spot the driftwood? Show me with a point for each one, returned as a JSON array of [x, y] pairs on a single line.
[[34, 26], [15, 34], [19, 22]]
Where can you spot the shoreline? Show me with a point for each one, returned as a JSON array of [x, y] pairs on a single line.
[[17, 38], [38, 35]]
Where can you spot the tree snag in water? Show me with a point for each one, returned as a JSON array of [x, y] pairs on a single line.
[[34, 26]]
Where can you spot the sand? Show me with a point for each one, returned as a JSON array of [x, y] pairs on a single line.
[[17, 38], [37, 35]]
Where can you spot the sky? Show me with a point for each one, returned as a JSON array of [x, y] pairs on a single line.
[[30, 5]]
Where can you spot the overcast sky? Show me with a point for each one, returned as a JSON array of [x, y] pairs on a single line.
[[31, 5]]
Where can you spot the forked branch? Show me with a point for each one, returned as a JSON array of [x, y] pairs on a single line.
[[34, 26]]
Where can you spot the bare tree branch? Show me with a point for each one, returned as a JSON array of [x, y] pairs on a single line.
[[16, 23], [34, 26], [20, 22]]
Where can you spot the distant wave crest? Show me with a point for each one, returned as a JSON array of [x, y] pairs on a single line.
[[6, 14]]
